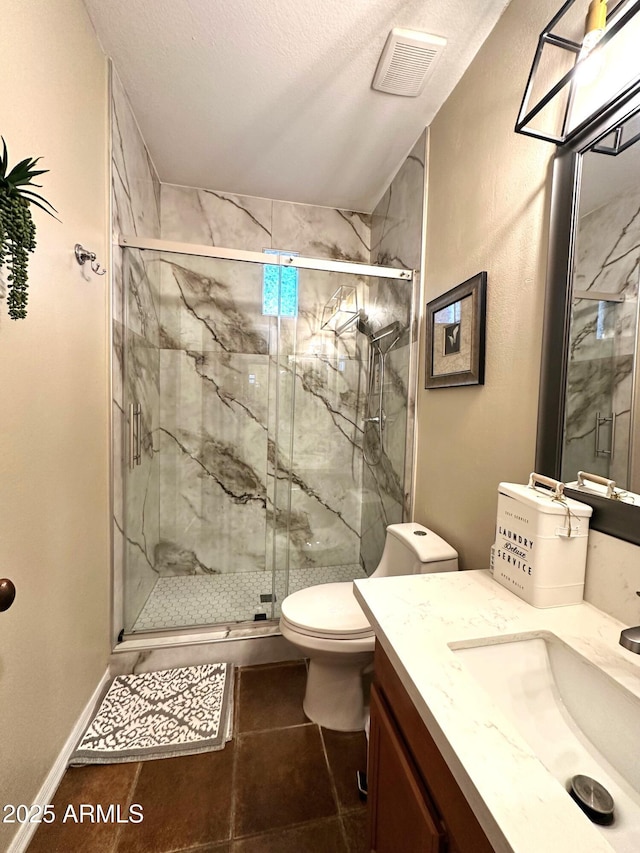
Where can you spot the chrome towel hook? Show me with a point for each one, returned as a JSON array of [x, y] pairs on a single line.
[[83, 255]]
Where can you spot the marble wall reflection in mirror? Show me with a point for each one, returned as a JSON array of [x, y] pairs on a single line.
[[589, 413], [601, 379]]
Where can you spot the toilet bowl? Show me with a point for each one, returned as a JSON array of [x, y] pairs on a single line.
[[326, 623]]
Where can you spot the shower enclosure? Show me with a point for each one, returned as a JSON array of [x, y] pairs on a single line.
[[600, 386], [266, 430]]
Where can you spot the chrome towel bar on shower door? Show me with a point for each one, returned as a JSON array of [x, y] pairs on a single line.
[[600, 421], [135, 435]]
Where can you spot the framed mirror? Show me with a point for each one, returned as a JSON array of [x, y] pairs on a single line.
[[589, 411]]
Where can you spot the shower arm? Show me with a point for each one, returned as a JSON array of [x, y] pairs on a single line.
[[384, 334], [375, 352], [375, 460], [380, 400], [383, 359], [379, 419]]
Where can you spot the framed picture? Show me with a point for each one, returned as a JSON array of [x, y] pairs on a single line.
[[455, 335]]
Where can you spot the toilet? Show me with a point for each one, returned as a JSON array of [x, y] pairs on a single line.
[[326, 623]]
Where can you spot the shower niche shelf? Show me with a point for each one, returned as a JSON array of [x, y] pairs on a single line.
[[341, 310]]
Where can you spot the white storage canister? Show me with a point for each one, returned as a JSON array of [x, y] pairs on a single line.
[[540, 550]]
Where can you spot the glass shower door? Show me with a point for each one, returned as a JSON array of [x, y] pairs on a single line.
[[243, 465], [196, 505], [315, 458], [600, 387], [320, 380], [140, 472]]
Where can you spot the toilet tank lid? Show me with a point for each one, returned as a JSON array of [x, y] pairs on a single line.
[[427, 545]]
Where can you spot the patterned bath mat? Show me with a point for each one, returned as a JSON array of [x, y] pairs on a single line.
[[159, 715]]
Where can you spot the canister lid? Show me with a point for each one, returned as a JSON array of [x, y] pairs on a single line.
[[543, 500]]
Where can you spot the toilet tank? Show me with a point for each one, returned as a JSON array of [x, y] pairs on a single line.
[[411, 549]]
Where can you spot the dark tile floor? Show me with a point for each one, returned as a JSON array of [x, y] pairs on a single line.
[[282, 785]]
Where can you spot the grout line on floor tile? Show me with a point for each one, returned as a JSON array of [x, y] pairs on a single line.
[[276, 729], [234, 769], [236, 702], [334, 789], [354, 809], [279, 830], [207, 846], [129, 801]]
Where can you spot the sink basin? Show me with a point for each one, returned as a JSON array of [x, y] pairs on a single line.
[[574, 716]]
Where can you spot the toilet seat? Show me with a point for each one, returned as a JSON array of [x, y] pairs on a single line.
[[326, 625], [327, 610]]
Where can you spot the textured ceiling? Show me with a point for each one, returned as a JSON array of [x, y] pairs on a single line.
[[273, 98]]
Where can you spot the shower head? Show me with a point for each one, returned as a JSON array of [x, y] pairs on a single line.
[[364, 325], [361, 322], [387, 337], [382, 340]]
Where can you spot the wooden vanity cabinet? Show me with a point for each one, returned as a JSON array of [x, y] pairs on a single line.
[[415, 805]]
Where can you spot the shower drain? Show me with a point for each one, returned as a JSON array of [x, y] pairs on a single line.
[[593, 798]]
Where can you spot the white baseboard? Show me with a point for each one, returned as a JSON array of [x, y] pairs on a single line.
[[23, 836]]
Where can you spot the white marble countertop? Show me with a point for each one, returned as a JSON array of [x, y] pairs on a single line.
[[520, 806]]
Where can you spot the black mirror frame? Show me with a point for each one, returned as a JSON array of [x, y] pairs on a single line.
[[609, 516]]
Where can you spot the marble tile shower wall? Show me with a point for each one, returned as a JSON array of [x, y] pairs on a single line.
[[135, 201], [244, 222], [244, 482], [603, 338], [212, 478], [396, 240], [320, 379]]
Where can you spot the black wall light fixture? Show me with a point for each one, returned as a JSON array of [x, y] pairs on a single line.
[[587, 61]]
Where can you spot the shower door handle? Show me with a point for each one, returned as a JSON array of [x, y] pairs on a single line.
[[605, 419], [135, 435]]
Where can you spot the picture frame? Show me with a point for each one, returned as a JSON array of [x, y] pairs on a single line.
[[455, 335]]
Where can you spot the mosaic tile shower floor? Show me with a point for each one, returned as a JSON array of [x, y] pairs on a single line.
[[194, 600]]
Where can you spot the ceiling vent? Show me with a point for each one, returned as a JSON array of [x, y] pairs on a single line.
[[407, 61]]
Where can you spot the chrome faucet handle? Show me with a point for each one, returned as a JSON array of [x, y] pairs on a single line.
[[630, 639]]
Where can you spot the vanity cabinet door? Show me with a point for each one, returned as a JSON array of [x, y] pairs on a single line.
[[394, 717], [401, 814]]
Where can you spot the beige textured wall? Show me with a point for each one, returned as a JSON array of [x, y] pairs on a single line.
[[54, 398], [488, 209]]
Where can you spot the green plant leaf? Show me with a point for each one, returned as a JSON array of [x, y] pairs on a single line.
[[34, 174], [36, 195], [21, 168], [25, 183], [24, 172], [17, 229], [4, 159], [37, 204]]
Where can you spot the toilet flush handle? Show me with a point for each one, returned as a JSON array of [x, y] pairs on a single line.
[[7, 593]]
